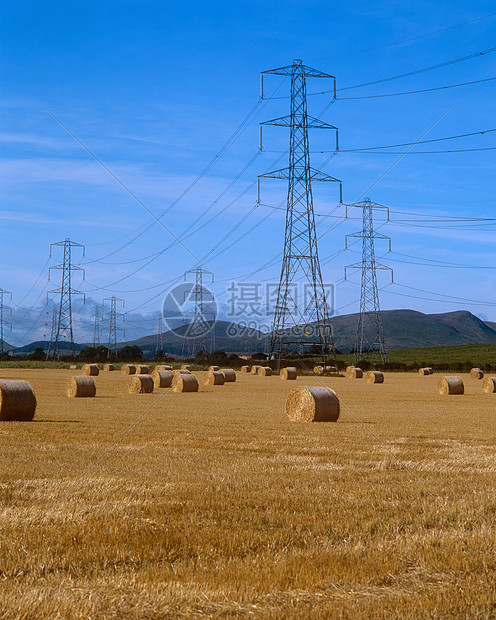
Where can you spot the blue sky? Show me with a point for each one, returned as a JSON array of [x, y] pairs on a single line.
[[155, 89]]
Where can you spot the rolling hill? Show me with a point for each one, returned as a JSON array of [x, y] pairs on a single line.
[[403, 329]]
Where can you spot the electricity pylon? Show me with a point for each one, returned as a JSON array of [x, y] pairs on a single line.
[[97, 318], [113, 329], [53, 331], [300, 322], [203, 314], [160, 340], [4, 311], [369, 340], [64, 317]]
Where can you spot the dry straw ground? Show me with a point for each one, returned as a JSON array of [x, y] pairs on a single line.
[[215, 505]]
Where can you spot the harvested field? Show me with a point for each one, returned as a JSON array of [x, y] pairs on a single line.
[[214, 504]]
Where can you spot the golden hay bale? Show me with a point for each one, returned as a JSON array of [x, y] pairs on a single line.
[[162, 378], [108, 367], [489, 385], [245, 369], [180, 372], [476, 373], [213, 377], [17, 400], [423, 371], [353, 372], [73, 367], [80, 387], [185, 367], [90, 369], [374, 376], [254, 370], [184, 383], [265, 371], [450, 385], [312, 404], [128, 369], [288, 374], [318, 370], [142, 369], [229, 375], [162, 367], [213, 368], [139, 384]]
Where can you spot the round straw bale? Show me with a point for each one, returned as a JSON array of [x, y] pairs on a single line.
[[139, 384], [374, 376], [180, 372], [213, 368], [80, 387], [312, 404], [423, 371], [162, 378], [185, 367], [90, 369], [73, 367], [254, 370], [354, 372], [142, 369], [128, 369], [213, 377], [17, 400], [245, 369], [476, 373], [162, 367], [288, 374], [184, 383], [229, 375], [489, 385], [318, 370], [450, 385], [265, 371], [108, 367]]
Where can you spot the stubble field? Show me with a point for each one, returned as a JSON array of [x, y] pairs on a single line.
[[215, 505]]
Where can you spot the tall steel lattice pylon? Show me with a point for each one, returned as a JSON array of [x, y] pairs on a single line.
[[53, 331], [113, 329], [369, 340], [301, 315], [160, 337], [64, 317], [97, 319], [203, 321], [5, 311]]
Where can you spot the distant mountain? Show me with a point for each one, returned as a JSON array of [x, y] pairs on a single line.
[[403, 329], [406, 329], [229, 337], [491, 324], [64, 347]]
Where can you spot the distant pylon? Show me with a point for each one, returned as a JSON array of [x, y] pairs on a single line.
[[203, 314], [53, 331], [64, 318], [113, 314], [369, 340], [300, 322], [160, 340], [5, 311], [97, 318]]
